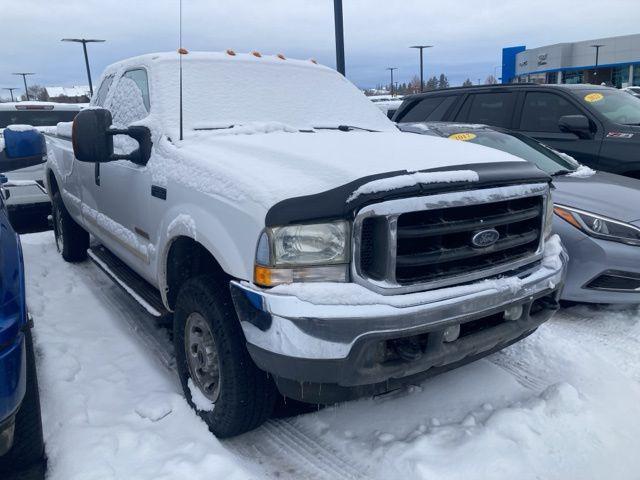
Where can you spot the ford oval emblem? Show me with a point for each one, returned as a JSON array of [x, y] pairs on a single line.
[[485, 238]]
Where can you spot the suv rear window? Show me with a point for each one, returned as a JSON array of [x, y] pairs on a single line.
[[488, 108], [430, 109]]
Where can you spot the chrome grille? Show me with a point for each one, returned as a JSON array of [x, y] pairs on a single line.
[[419, 243]]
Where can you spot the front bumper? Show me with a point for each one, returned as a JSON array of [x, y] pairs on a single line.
[[322, 335], [589, 258]]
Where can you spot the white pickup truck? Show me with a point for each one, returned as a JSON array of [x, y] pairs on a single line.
[[298, 240]]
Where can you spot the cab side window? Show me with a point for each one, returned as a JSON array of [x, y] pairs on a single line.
[[494, 109], [130, 100], [101, 95], [542, 110]]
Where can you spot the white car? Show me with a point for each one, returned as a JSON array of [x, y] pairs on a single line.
[[301, 242], [26, 198], [635, 91]]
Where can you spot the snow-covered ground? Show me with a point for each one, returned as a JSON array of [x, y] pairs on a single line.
[[562, 404]]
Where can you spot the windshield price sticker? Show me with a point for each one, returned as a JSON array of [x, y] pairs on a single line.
[[593, 97], [465, 137]]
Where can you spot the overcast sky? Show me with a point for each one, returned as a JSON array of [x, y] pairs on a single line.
[[468, 34]]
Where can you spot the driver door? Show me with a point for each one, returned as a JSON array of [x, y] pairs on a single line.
[[121, 188]]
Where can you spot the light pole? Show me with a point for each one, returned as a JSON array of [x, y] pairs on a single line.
[[421, 48], [337, 12], [24, 79], [11, 89], [597, 46], [391, 69], [84, 42]]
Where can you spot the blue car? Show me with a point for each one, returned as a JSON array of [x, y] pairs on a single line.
[[21, 443]]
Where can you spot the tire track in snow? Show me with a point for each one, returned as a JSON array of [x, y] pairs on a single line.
[[279, 447]]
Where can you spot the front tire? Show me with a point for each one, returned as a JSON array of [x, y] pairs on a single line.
[[72, 241], [232, 394]]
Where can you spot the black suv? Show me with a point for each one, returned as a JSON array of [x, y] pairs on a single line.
[[598, 126]]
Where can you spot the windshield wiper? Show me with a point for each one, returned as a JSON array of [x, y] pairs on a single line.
[[226, 127], [345, 128], [563, 171], [636, 124]]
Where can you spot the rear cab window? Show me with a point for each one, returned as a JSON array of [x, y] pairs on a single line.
[[45, 117], [491, 108]]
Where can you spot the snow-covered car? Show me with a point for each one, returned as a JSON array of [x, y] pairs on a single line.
[[302, 243], [389, 104], [596, 213], [27, 198], [21, 443]]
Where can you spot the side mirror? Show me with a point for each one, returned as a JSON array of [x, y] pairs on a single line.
[[578, 124], [23, 147], [92, 138]]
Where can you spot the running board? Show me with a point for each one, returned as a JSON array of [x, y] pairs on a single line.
[[137, 287]]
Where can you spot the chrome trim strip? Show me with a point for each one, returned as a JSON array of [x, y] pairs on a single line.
[[392, 209]]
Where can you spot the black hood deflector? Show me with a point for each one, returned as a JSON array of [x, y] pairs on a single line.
[[332, 204]]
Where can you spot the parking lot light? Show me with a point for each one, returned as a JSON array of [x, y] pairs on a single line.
[[421, 48], [24, 79], [84, 42]]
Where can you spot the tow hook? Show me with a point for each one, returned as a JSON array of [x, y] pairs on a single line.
[[408, 349]]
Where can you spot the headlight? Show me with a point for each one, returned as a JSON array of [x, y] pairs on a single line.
[[303, 253], [599, 226]]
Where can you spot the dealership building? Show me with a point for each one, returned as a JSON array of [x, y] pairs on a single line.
[[613, 60]]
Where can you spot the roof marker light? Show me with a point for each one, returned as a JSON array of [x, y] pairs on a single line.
[[256, 54], [182, 51], [281, 56], [231, 52]]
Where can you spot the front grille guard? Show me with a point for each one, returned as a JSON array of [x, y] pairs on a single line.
[[392, 209]]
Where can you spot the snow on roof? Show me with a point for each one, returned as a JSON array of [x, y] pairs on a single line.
[[75, 91]]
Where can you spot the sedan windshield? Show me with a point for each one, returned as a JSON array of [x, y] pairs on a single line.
[[520, 146], [616, 105]]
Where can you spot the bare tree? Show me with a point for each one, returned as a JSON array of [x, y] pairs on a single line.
[[490, 80], [36, 92]]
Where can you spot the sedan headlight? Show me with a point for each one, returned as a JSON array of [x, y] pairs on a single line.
[[600, 227], [303, 253]]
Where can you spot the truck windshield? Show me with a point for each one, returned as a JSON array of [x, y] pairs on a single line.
[[617, 106], [36, 118], [520, 146]]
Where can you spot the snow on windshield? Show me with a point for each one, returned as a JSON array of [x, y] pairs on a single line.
[[220, 90]]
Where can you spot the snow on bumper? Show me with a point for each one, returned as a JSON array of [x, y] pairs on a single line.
[[324, 321]]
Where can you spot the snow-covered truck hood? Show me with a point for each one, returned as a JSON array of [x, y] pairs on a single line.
[[268, 168]]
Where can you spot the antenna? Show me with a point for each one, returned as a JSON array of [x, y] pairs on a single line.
[[180, 52]]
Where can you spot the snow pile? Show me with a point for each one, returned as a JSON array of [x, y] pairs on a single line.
[[64, 129], [202, 403], [555, 410], [582, 172], [110, 410], [21, 128], [413, 179]]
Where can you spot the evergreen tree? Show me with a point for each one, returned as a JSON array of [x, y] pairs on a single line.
[[467, 83], [490, 80], [443, 81], [432, 83]]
